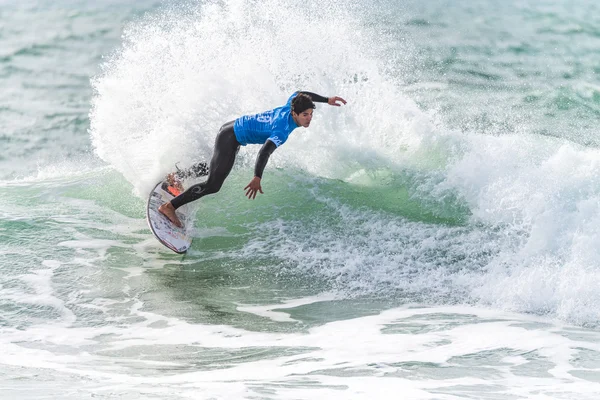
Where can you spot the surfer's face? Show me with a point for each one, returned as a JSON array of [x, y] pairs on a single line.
[[303, 118]]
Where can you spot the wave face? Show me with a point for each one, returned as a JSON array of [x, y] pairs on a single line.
[[503, 219]]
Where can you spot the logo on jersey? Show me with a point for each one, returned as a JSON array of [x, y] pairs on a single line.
[[266, 118], [275, 139]]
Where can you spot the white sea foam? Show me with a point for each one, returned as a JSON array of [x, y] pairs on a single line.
[[444, 352]]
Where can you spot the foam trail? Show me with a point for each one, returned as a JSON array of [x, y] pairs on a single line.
[[543, 194]]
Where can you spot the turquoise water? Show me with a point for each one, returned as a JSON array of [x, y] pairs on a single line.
[[436, 237]]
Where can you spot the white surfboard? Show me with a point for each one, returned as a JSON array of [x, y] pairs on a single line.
[[177, 239]]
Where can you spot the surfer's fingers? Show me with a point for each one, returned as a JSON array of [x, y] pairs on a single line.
[[334, 101]]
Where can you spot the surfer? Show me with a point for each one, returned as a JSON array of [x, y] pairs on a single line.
[[270, 128]]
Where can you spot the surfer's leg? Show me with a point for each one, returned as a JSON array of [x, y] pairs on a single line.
[[226, 148]]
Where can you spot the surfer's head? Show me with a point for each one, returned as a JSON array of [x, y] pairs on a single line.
[[302, 109]]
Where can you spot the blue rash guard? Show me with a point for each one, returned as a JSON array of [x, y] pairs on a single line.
[[274, 125]]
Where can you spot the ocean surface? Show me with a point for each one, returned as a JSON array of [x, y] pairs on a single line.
[[436, 238]]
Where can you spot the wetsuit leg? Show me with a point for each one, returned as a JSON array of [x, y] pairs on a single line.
[[226, 148]]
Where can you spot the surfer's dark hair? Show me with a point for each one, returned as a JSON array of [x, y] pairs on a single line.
[[301, 103]]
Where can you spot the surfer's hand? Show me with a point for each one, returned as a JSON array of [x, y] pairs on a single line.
[[333, 101], [253, 187]]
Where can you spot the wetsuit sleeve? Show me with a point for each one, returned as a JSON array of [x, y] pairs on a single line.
[[315, 97], [263, 156]]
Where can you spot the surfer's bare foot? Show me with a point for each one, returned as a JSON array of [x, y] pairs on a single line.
[[168, 211]]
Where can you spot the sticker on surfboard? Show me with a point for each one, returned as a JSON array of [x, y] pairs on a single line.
[[177, 239]]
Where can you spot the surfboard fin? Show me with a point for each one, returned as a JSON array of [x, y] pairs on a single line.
[[173, 190]]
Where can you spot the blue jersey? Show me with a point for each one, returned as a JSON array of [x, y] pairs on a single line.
[[274, 125]]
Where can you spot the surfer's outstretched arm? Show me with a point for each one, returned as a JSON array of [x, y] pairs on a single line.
[[317, 98], [261, 162]]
